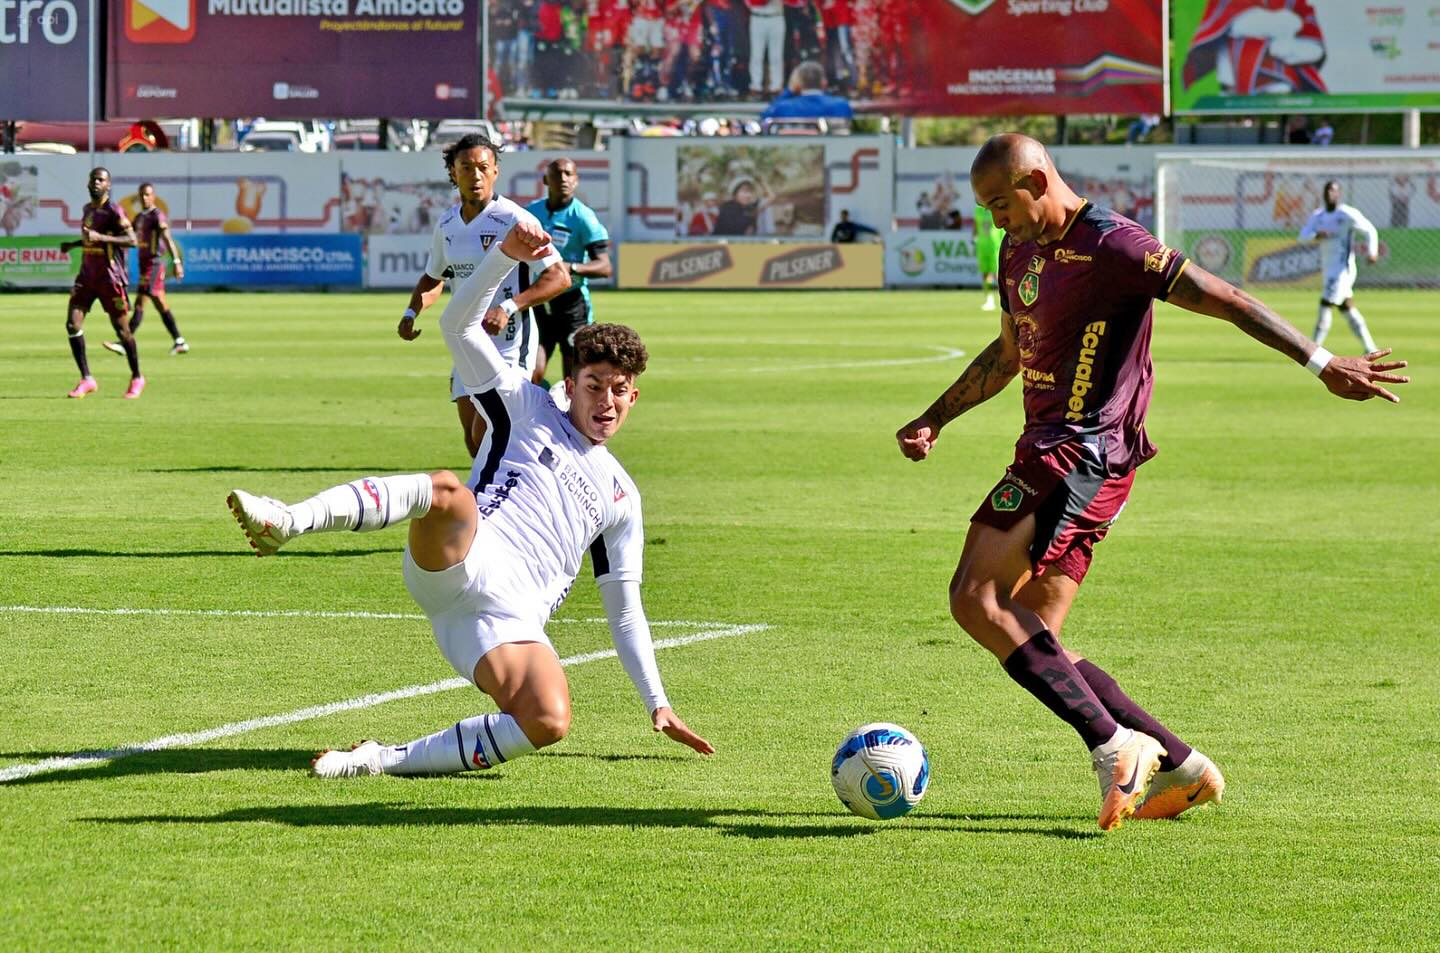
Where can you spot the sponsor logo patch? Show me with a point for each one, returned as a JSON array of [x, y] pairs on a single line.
[[1029, 288], [1159, 259], [1007, 499], [619, 490], [1064, 255], [1037, 264]]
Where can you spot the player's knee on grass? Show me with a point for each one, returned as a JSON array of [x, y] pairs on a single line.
[[545, 721]]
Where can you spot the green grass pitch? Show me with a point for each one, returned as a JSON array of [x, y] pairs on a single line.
[[1271, 592]]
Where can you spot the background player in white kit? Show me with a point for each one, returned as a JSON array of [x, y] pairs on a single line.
[[1336, 226], [465, 232], [489, 567]]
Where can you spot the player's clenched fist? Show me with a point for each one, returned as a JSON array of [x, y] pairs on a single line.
[[527, 241], [917, 438]]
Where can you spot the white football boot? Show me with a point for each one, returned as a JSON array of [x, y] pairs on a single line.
[[364, 758], [267, 522], [1124, 767]]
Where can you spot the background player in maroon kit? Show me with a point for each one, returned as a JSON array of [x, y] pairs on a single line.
[[152, 230], [1076, 290], [105, 233]]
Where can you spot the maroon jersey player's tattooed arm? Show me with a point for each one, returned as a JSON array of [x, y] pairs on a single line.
[[1354, 378], [987, 375]]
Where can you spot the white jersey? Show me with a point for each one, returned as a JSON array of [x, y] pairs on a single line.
[[1343, 228], [459, 246], [548, 494]]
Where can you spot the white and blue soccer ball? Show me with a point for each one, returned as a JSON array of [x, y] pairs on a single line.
[[880, 771]]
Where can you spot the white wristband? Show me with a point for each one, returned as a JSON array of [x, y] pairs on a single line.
[[1318, 361], [409, 315], [508, 306]]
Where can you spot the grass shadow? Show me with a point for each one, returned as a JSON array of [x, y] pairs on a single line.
[[750, 824], [174, 761]]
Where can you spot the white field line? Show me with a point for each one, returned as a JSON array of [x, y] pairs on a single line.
[[946, 354], [84, 758]]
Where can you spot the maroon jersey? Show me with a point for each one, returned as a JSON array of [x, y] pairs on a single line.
[[103, 266], [150, 230], [1082, 307]]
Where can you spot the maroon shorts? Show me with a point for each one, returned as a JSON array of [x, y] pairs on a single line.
[[152, 277], [112, 297], [1072, 498]]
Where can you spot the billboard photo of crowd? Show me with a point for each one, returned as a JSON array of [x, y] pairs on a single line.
[[693, 51], [750, 191]]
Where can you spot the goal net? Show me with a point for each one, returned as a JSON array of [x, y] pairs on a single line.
[[1238, 215]]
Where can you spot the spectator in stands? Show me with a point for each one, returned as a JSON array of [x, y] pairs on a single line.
[[767, 41], [1141, 128], [1297, 131], [838, 17], [953, 221], [1324, 135], [805, 97], [846, 231]]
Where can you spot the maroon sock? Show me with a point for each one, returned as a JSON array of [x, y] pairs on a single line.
[[132, 354], [170, 325], [77, 349], [136, 317], [1041, 668], [1129, 713]]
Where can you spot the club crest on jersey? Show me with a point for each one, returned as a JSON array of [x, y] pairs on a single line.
[[1029, 289], [1158, 259], [486, 240], [1007, 498], [547, 457], [619, 491]]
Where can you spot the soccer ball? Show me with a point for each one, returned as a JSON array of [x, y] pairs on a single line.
[[880, 771]]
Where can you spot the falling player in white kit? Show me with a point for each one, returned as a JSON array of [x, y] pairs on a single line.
[[489, 567], [465, 232], [1336, 226]]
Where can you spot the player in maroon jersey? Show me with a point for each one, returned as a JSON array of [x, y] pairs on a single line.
[[1077, 286], [105, 233], [152, 229]]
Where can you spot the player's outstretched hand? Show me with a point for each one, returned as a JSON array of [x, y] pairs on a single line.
[[1360, 378], [667, 721], [407, 329], [918, 437], [526, 242]]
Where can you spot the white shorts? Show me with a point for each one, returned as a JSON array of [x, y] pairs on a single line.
[[647, 33], [477, 604], [1339, 288]]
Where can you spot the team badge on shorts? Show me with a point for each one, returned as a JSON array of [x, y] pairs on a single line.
[[1007, 498], [1029, 288]]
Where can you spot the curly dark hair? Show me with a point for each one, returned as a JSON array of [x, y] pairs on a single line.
[[471, 140], [612, 343]]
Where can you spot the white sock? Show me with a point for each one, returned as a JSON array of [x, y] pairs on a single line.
[[365, 504], [480, 742], [1362, 331], [1119, 739], [1322, 324]]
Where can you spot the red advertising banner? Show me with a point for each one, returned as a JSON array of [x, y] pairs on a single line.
[[1013, 57], [926, 57], [294, 59]]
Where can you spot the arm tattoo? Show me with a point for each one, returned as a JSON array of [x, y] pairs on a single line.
[[1203, 293], [986, 376]]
